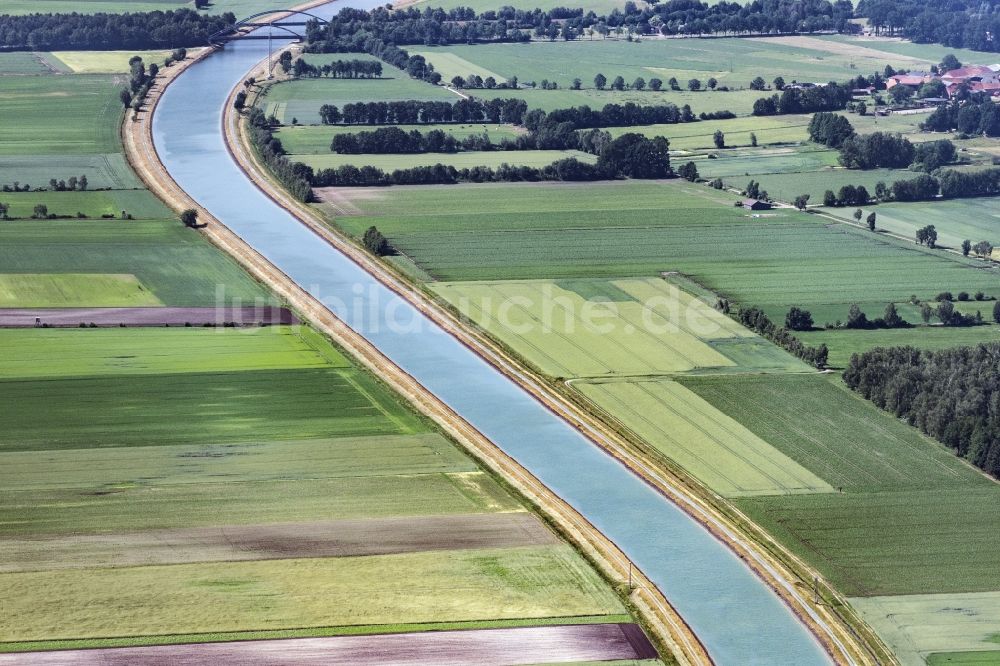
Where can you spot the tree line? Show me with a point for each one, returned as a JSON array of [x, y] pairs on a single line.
[[975, 117], [952, 395], [415, 112], [878, 149], [337, 69], [955, 24], [830, 97], [294, 176], [463, 25], [388, 140], [631, 155], [108, 32]]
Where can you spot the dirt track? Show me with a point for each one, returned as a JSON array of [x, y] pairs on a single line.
[[484, 647], [230, 543]]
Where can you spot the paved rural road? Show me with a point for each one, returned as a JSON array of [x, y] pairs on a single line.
[[738, 618]]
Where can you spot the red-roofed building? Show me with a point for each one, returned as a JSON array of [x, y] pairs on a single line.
[[967, 73], [912, 80]]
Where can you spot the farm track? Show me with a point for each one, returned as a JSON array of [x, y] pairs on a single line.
[[840, 640]]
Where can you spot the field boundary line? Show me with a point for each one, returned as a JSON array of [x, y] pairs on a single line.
[[667, 626]]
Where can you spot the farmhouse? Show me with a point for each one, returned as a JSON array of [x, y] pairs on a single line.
[[976, 78], [756, 204]]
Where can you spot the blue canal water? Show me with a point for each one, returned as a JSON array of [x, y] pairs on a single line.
[[738, 618]]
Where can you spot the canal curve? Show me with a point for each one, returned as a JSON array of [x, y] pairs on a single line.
[[738, 618]]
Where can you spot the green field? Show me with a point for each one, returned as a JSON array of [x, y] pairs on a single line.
[[787, 172], [739, 102], [163, 443], [986, 658], [300, 99], [733, 62], [716, 449], [901, 524], [843, 343], [600, 7], [239, 7], [106, 170], [68, 290], [901, 543], [140, 204], [316, 140], [567, 230], [122, 351], [20, 63], [932, 53], [141, 410], [955, 220], [107, 62], [737, 131], [176, 264], [42, 103], [829, 430], [916, 626], [466, 160], [495, 584], [598, 328]]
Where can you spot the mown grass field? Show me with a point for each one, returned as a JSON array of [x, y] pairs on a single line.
[[301, 98], [843, 343], [716, 449], [174, 263], [317, 140], [733, 62], [963, 629], [465, 160], [597, 328]]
